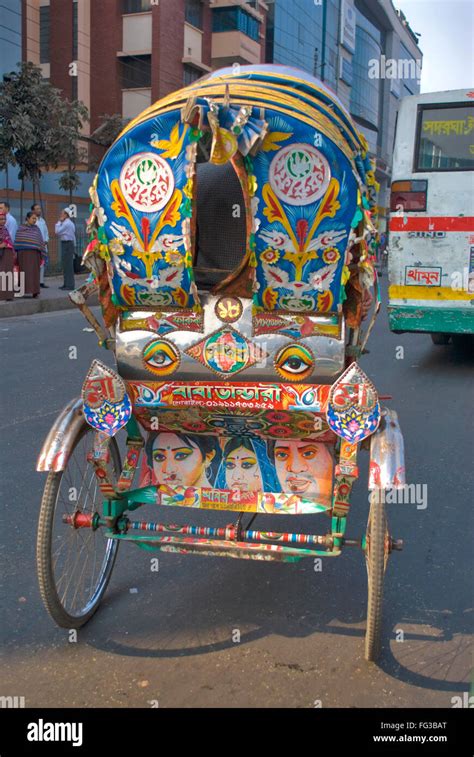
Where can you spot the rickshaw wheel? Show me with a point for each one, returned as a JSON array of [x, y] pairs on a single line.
[[74, 564], [377, 548]]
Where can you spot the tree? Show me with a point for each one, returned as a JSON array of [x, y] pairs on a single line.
[[70, 119], [105, 135], [38, 128]]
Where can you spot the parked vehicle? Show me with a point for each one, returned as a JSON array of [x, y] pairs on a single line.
[[431, 240]]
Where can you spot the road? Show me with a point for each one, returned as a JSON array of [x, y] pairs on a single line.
[[168, 636]]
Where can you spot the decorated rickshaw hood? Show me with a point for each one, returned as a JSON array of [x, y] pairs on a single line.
[[303, 170]]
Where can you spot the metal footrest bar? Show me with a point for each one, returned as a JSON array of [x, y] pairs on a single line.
[[223, 547], [229, 532]]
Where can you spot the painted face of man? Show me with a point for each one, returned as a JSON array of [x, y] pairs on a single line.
[[242, 470], [178, 463], [303, 467]]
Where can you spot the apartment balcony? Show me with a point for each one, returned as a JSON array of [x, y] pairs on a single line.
[[192, 53], [233, 47], [134, 101], [136, 34]]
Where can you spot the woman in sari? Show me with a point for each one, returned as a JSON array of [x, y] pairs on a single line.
[[245, 466], [30, 248], [7, 260]]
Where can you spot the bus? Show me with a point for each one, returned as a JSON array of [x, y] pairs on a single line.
[[431, 226]]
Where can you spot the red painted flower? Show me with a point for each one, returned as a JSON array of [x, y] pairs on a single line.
[[276, 417], [279, 431], [195, 426], [331, 255], [344, 490]]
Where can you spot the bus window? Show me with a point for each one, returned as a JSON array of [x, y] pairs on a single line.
[[445, 138]]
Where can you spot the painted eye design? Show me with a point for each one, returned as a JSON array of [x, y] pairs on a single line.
[[294, 362], [161, 357]]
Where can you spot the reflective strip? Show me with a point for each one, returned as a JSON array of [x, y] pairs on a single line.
[[432, 223], [427, 293]]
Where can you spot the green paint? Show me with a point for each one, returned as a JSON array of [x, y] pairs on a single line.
[[431, 320]]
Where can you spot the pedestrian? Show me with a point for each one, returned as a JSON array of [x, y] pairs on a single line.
[[29, 246], [41, 223], [7, 260], [12, 225], [66, 232]]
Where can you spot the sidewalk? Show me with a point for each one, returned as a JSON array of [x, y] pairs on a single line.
[[49, 299]]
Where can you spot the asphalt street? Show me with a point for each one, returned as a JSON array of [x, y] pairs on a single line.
[[168, 637]]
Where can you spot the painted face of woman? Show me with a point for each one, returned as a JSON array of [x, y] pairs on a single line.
[[242, 470], [179, 463], [304, 467]]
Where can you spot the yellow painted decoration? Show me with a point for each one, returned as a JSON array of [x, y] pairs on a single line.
[[270, 141], [172, 146]]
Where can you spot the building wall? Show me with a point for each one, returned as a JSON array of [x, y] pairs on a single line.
[[11, 36], [337, 40]]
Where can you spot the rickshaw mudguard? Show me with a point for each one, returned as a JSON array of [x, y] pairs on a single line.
[[60, 439], [387, 456]]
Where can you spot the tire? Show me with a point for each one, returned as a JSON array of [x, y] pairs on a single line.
[[83, 548], [376, 554], [463, 344], [440, 338]]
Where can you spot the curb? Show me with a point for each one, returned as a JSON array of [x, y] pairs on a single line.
[[30, 306], [47, 302]]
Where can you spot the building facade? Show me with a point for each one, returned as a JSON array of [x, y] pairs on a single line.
[[365, 51], [119, 56]]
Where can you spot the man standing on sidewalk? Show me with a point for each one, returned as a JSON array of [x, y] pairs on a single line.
[[11, 224], [41, 223], [66, 232]]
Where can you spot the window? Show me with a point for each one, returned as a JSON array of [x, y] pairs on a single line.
[[44, 33], [136, 6], [193, 13], [136, 72], [190, 74], [444, 137], [74, 81], [74, 30], [235, 19], [364, 101]]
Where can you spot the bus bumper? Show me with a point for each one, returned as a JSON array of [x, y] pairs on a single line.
[[427, 319]]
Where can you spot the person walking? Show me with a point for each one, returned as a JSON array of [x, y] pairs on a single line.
[[11, 223], [66, 232], [29, 246], [7, 260], [41, 224]]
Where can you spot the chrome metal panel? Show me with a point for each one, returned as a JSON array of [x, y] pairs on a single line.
[[58, 444], [387, 456], [328, 351]]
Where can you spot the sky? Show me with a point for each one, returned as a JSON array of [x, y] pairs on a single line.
[[447, 41]]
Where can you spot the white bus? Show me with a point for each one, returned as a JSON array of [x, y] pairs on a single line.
[[431, 229]]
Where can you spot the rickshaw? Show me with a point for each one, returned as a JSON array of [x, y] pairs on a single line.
[[236, 379]]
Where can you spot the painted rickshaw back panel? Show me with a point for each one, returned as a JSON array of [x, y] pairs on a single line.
[[233, 376]]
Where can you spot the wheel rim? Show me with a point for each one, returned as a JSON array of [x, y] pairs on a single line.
[[81, 558]]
